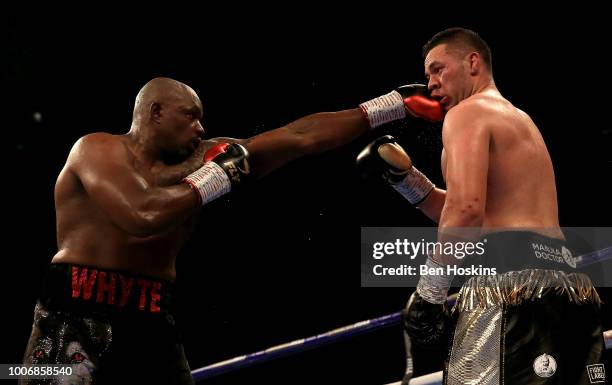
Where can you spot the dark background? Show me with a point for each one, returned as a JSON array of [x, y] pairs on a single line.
[[280, 260]]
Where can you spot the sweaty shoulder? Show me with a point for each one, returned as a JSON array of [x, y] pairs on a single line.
[[523, 115], [476, 107], [95, 147], [470, 116]]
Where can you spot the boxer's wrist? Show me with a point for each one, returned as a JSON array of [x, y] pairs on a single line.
[[415, 187], [434, 287], [209, 182], [384, 109]]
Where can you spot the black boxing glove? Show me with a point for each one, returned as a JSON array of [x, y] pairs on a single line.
[[409, 100], [425, 323], [226, 166], [384, 158]]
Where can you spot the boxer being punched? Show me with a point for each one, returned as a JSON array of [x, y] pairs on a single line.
[[500, 186], [126, 204]]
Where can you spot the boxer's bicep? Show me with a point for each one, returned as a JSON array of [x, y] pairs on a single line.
[[466, 141]]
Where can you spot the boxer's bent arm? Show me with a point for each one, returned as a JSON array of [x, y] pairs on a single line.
[[309, 135], [466, 138], [168, 175], [104, 167], [433, 204]]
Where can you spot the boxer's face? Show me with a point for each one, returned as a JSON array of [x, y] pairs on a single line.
[[180, 126], [449, 75]]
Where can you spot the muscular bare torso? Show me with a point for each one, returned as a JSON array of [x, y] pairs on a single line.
[[521, 190], [86, 235]]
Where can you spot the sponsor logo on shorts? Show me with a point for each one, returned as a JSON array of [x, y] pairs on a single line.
[[553, 254], [544, 365], [597, 373], [568, 257]]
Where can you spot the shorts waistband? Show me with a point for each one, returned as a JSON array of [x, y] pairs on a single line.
[[80, 287], [518, 250]]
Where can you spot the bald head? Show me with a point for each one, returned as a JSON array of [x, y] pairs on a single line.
[[166, 118], [162, 91]]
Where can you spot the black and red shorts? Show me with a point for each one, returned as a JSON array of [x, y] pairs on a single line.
[[115, 327]]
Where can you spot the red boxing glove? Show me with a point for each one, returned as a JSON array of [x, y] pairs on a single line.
[[412, 99], [418, 103], [226, 165], [214, 151]]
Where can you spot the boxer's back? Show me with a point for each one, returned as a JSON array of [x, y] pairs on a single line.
[[521, 188]]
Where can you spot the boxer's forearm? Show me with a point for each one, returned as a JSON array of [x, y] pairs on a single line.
[[459, 223], [459, 215], [326, 130], [309, 135], [161, 209], [273, 149], [433, 204]]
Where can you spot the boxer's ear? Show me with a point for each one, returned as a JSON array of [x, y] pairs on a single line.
[[475, 62], [155, 112]]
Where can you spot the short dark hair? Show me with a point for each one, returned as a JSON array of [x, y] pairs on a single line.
[[466, 37]]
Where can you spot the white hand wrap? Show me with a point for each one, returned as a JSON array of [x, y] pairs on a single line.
[[384, 109], [415, 187], [434, 287], [209, 182]]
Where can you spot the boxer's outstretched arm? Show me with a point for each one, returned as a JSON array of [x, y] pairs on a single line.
[[105, 168], [326, 130], [323, 131], [273, 149], [309, 135]]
